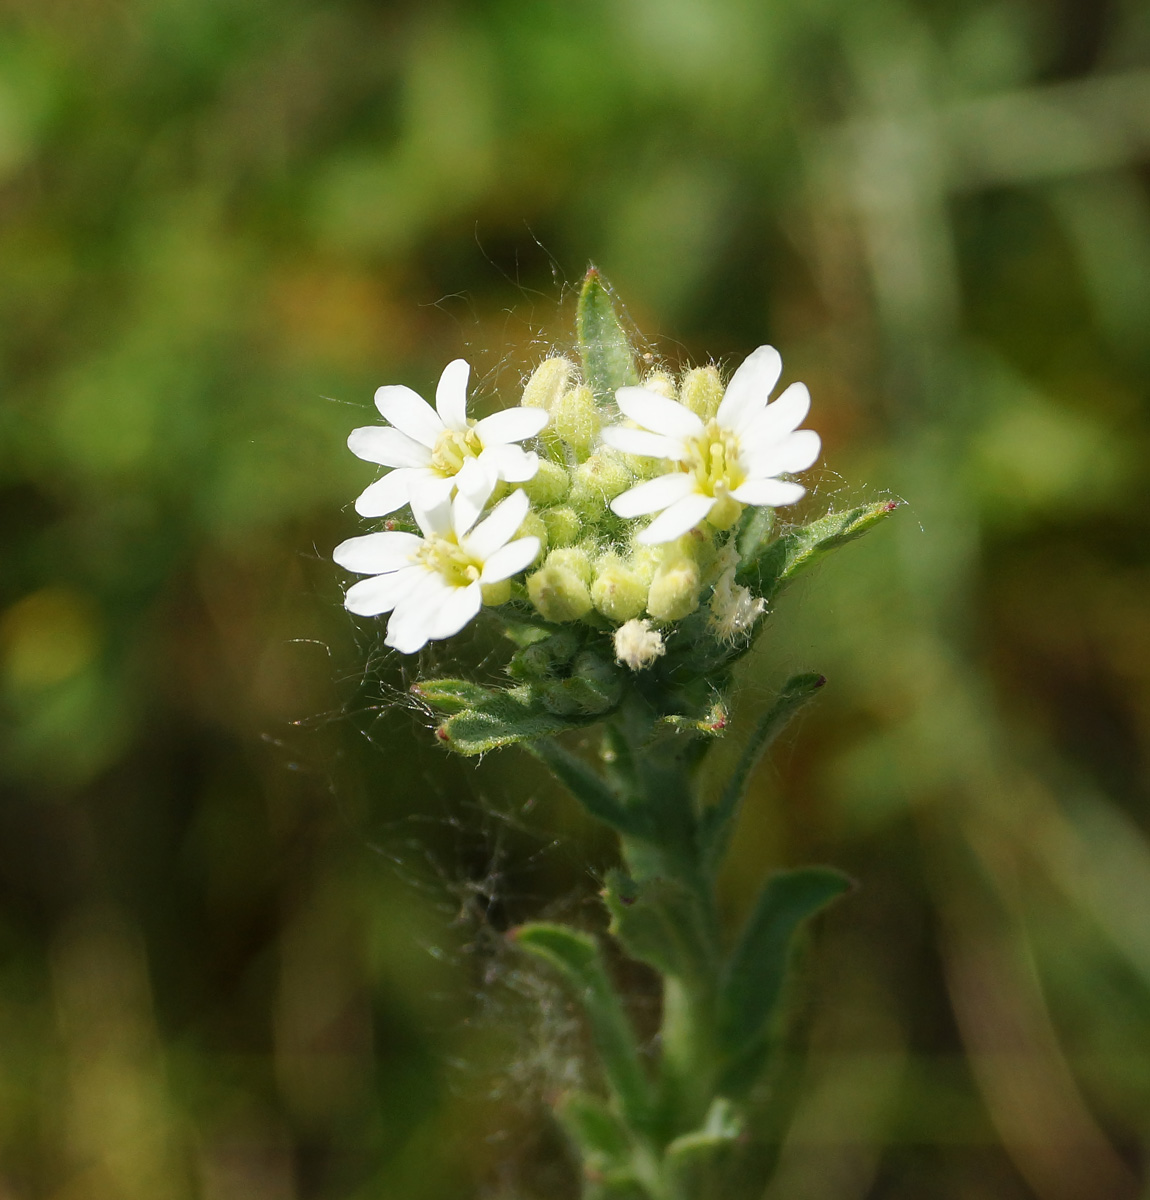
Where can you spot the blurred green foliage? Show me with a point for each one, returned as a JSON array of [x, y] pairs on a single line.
[[244, 957]]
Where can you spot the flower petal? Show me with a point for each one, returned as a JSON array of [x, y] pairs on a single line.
[[657, 413], [381, 593], [451, 394], [510, 559], [512, 463], [770, 492], [750, 387], [640, 441], [795, 452], [410, 626], [475, 483], [407, 410], [680, 518], [388, 447], [653, 495], [393, 491], [779, 418], [497, 529], [456, 610], [377, 553], [431, 506], [511, 425]]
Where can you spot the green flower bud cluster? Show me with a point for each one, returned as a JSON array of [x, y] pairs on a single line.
[[589, 567]]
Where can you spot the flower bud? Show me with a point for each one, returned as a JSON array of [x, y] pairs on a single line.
[[559, 588], [575, 419], [495, 594], [675, 589], [619, 591], [598, 481], [547, 383], [534, 526], [564, 526], [637, 645], [702, 391], [549, 485], [661, 383]]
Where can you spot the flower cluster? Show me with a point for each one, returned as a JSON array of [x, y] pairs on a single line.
[[571, 541]]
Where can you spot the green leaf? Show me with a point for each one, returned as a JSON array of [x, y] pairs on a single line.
[[753, 979], [605, 349], [780, 561], [717, 822], [576, 956], [658, 922], [451, 695], [502, 718]]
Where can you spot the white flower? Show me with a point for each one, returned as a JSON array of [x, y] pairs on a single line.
[[637, 645], [731, 460], [428, 447], [433, 585]]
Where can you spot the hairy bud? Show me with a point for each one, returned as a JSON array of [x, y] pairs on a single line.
[[547, 383], [564, 526], [598, 481], [619, 590], [702, 391], [549, 485], [575, 420], [675, 589], [559, 589]]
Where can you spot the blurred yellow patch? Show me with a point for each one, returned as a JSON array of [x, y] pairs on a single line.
[[48, 637]]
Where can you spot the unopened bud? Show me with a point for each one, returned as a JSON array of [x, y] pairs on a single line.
[[661, 383], [637, 645], [675, 589], [559, 588], [619, 590], [547, 383], [550, 483], [702, 391], [598, 481], [564, 526], [575, 420], [534, 526], [495, 594]]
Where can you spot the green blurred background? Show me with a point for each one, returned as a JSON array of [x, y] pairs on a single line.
[[251, 931]]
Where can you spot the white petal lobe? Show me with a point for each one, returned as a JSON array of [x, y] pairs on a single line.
[[381, 593], [388, 447], [451, 394], [796, 452], [510, 560], [495, 530], [653, 495], [772, 492], [511, 425], [393, 491], [408, 411], [680, 518], [456, 611], [657, 413], [780, 418], [750, 387], [377, 553], [641, 441]]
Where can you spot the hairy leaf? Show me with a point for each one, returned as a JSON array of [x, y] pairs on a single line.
[[608, 361]]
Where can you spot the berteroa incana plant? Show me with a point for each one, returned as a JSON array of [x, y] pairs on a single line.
[[630, 559]]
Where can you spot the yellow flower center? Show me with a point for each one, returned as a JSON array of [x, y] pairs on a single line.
[[713, 458], [453, 448], [445, 556]]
